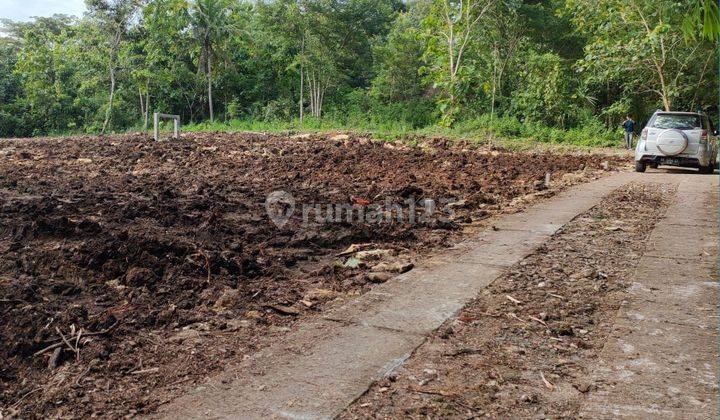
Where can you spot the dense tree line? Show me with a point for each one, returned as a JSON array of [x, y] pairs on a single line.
[[562, 63]]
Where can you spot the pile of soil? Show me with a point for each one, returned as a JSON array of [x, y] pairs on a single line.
[[131, 268], [525, 346]]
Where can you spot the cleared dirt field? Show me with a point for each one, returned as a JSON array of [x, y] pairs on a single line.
[[130, 269]]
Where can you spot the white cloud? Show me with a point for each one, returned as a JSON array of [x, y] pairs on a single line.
[[25, 9]]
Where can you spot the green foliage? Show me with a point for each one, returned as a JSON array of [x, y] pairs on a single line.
[[398, 61], [48, 74], [550, 92], [550, 30], [506, 131], [233, 109], [550, 71], [9, 82], [639, 47], [453, 57], [591, 133], [703, 14]]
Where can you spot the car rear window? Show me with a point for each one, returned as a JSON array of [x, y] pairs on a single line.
[[677, 121]]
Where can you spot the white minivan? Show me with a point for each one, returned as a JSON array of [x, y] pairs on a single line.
[[686, 139]]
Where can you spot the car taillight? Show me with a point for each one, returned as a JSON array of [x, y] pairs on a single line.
[[704, 136], [644, 134]]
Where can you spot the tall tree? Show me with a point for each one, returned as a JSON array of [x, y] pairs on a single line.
[[211, 23], [399, 59], [168, 49], [451, 26], [48, 68], [641, 43], [112, 17], [505, 38], [288, 29]]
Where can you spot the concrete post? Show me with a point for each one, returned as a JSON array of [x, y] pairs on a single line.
[[156, 123]]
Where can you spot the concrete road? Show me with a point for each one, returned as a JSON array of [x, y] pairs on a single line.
[[662, 358]]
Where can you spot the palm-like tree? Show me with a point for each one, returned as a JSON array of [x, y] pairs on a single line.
[[210, 20]]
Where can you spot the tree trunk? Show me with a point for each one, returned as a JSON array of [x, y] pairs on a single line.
[[663, 87], [315, 95], [451, 92], [666, 102], [302, 82], [313, 92], [108, 111], [321, 95], [302, 77], [147, 104], [111, 65], [494, 85], [209, 82], [143, 110], [309, 88]]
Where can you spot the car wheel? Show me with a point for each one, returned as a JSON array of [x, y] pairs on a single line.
[[640, 166]]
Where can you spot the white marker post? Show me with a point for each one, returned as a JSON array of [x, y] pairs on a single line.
[[156, 124]]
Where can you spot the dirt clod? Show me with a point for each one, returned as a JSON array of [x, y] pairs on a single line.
[[319, 295], [379, 277], [229, 299], [397, 267], [137, 276]]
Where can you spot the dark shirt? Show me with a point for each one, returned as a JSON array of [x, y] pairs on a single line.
[[629, 126]]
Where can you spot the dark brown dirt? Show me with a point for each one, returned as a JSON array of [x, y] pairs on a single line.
[[523, 348], [157, 263]]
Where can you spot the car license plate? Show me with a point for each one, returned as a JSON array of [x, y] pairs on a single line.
[[671, 161]]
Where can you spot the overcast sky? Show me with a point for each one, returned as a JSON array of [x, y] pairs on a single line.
[[25, 9]]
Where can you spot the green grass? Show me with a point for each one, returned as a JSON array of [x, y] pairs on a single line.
[[314, 125], [505, 132]]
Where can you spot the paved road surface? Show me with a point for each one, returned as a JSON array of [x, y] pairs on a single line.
[[661, 360]]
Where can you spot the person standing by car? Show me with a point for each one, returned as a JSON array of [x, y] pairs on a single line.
[[629, 126]]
